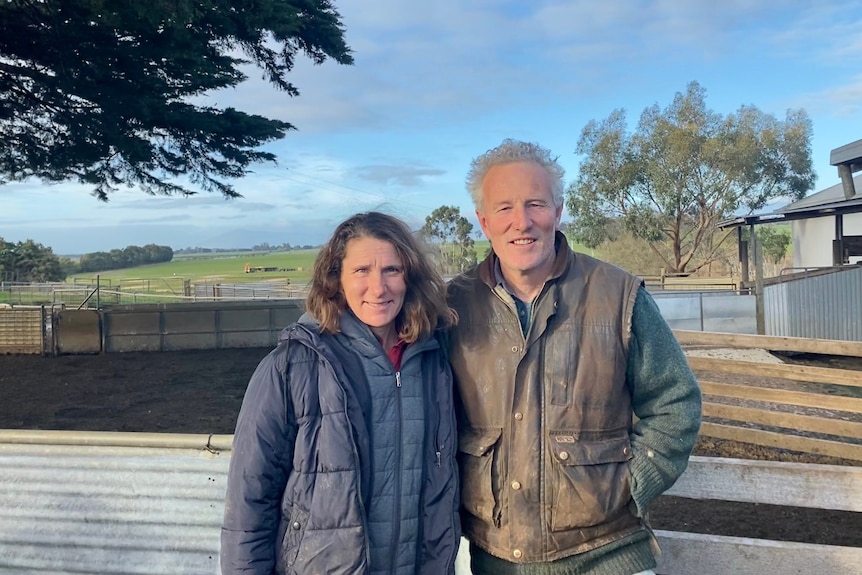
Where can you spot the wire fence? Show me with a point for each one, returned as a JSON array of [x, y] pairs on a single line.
[[82, 295]]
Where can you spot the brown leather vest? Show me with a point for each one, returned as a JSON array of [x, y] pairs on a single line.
[[545, 419]]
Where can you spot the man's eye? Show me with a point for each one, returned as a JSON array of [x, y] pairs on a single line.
[[392, 270]]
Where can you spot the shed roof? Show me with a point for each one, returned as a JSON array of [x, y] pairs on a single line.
[[825, 202]]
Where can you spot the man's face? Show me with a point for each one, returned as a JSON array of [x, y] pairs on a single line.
[[519, 218]]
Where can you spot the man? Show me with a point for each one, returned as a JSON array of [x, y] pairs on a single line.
[[553, 355]]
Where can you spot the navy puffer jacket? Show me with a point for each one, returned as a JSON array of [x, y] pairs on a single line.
[[296, 493]]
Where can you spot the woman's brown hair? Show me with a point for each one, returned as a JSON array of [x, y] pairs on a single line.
[[424, 309]]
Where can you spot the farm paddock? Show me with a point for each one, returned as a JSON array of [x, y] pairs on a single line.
[[201, 392]]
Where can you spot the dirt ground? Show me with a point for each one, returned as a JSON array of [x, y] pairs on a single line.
[[201, 392]]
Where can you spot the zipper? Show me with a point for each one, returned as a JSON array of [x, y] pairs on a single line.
[[438, 446], [396, 514]]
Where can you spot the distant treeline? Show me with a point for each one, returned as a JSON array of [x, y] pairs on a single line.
[[264, 247], [128, 257], [29, 261]]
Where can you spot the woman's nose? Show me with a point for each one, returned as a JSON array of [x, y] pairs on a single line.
[[377, 284]]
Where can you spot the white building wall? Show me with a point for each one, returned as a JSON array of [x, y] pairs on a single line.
[[812, 239]]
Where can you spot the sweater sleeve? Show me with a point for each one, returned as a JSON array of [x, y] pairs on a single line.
[[260, 461], [666, 400]]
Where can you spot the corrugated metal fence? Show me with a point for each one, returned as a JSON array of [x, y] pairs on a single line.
[[153, 505], [118, 503], [822, 307]]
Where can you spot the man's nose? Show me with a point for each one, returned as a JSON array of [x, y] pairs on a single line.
[[521, 219]]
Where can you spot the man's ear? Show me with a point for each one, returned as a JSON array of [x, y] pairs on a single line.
[[483, 223]]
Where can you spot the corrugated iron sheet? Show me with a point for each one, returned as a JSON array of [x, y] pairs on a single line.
[[109, 509], [823, 307], [118, 503]]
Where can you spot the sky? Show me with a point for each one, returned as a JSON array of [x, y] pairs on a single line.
[[436, 84]]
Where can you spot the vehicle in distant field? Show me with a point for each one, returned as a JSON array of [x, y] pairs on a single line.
[[250, 270]]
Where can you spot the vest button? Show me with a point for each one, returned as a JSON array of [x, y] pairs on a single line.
[[564, 455], [516, 485], [514, 349], [296, 526], [519, 416], [517, 554]]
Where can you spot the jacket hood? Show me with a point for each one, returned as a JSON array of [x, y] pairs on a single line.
[[307, 329]]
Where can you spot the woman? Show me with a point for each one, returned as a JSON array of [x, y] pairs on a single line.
[[344, 452]]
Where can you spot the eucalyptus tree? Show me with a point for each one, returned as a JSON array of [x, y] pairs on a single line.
[[682, 170], [453, 234]]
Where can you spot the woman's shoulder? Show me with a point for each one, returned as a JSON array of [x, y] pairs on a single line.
[[298, 343]]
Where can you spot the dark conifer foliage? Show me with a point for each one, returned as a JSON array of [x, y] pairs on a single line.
[[101, 92]]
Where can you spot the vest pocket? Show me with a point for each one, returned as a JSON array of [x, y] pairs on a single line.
[[478, 459], [590, 479]]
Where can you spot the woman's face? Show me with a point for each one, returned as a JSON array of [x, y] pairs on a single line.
[[373, 283]]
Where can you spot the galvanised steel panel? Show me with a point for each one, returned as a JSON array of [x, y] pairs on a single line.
[[707, 311], [118, 510], [729, 313], [209, 325], [678, 306], [822, 307]]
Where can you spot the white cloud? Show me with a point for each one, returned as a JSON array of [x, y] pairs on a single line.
[[437, 83]]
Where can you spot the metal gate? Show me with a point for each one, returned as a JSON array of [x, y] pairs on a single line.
[[26, 330]]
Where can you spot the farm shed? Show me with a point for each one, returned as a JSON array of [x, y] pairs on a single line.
[[826, 227]]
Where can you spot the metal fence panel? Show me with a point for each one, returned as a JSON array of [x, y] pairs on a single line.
[[203, 325], [708, 311], [823, 307], [21, 331], [118, 510]]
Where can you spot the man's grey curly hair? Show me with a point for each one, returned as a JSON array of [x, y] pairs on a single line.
[[511, 151]]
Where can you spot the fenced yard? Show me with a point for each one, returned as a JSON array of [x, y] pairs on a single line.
[[789, 408], [92, 294]]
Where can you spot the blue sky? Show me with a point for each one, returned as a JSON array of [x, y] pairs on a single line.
[[436, 83]]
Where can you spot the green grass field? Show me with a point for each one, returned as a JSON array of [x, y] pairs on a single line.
[[228, 267], [219, 267]]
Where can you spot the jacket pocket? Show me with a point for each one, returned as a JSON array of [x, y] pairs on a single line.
[[293, 533], [478, 459], [590, 481]]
